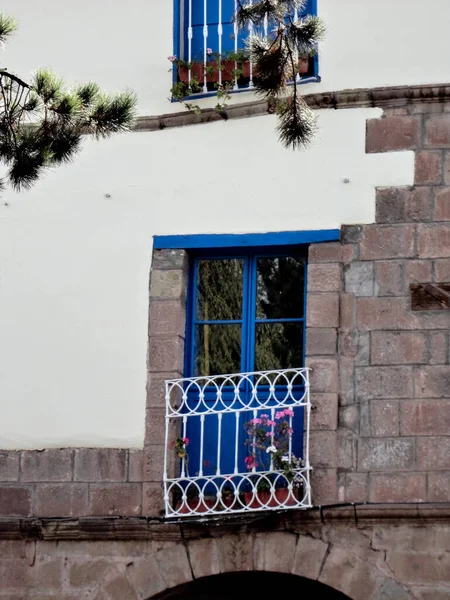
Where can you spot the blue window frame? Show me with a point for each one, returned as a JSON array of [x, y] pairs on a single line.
[[246, 312], [220, 31]]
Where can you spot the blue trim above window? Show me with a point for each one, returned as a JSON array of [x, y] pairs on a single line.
[[245, 240]]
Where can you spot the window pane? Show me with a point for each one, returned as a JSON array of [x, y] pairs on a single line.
[[218, 349], [219, 289], [278, 346], [279, 288]]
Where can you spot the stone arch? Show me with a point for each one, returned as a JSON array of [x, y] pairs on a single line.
[[342, 559], [242, 585]]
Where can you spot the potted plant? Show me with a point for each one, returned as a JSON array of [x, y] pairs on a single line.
[[269, 443]]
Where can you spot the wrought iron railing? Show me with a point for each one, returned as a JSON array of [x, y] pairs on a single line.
[[237, 443]]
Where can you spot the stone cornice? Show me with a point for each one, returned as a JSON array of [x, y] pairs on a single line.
[[382, 97], [142, 528]]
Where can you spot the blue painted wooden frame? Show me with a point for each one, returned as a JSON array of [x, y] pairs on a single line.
[[248, 321], [315, 77], [244, 240]]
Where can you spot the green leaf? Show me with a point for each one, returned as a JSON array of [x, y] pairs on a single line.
[[8, 26]]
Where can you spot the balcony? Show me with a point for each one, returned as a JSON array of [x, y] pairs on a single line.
[[237, 443]]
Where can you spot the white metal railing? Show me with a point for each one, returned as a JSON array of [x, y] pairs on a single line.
[[212, 48], [232, 439]]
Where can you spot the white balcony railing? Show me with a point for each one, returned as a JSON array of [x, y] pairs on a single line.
[[237, 443]]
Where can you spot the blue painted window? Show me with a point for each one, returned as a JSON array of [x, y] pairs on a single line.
[[246, 312], [227, 39]]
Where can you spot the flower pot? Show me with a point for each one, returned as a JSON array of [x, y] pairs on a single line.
[[281, 498], [212, 74], [195, 506]]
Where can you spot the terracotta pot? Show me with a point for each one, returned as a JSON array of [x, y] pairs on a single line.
[[197, 71], [280, 499], [194, 506]]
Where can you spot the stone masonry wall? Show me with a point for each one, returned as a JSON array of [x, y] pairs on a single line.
[[384, 367], [380, 383], [378, 561]]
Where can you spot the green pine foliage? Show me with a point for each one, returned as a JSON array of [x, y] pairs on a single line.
[[276, 62], [42, 122]]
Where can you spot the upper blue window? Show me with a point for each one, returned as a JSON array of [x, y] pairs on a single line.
[[205, 29]]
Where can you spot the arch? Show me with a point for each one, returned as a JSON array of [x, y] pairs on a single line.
[[242, 585]]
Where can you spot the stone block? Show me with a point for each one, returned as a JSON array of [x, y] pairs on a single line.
[[346, 381], [442, 205], [351, 234], [152, 499], [393, 133], [323, 310], [324, 375], [358, 277], [398, 348], [387, 241], [403, 205], [156, 391], [347, 312], [389, 278], [384, 418], [386, 454], [204, 557], [115, 499], [170, 259], [324, 486], [88, 573], [321, 341], [46, 575], [437, 131], [173, 562], [446, 168], [433, 453], [398, 487], [346, 450], [384, 313], [425, 417], [323, 448], [324, 277], [100, 464], [331, 252], [47, 465], [433, 382], [61, 500], [349, 417], [9, 465], [308, 557], [433, 240], [419, 567], [146, 577], [236, 553], [418, 271], [154, 462], [439, 487], [168, 284], [165, 354], [274, 552], [441, 270], [438, 347], [15, 500], [428, 167], [167, 317], [120, 588], [384, 382], [135, 465], [155, 426], [391, 590], [356, 487], [431, 593], [324, 412]]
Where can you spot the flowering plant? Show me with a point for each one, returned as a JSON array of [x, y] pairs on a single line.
[[180, 446], [268, 441]]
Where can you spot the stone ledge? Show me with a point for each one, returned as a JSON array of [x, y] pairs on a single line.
[[142, 528], [382, 97]]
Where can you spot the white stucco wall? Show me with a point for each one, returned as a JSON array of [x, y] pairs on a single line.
[[388, 42], [76, 251]]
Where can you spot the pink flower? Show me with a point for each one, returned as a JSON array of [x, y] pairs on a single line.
[[288, 412], [256, 421], [270, 422], [172, 58], [290, 431], [185, 441], [279, 414], [264, 416], [209, 51], [268, 433]]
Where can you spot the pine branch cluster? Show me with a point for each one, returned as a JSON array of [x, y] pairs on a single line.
[[276, 61], [42, 122]]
